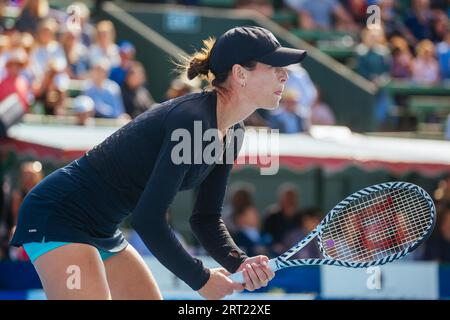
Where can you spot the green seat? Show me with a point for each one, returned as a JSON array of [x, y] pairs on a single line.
[[337, 52], [408, 88], [424, 105]]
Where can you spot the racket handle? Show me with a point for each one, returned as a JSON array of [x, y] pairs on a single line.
[[239, 276]]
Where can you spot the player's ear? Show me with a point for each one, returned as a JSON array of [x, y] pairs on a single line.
[[239, 75]]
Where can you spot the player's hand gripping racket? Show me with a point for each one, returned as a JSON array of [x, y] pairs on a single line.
[[374, 226]]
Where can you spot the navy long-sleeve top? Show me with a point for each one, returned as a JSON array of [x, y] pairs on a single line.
[[140, 162]]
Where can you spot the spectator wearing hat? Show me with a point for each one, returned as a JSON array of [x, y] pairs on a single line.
[[105, 92], [83, 108], [136, 97], [13, 82], [127, 52], [285, 118]]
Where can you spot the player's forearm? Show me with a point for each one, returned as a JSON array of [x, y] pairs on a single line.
[[161, 241], [215, 238]]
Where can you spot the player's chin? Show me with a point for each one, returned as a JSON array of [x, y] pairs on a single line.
[[272, 105]]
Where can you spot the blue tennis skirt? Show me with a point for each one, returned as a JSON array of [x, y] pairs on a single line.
[[72, 205]]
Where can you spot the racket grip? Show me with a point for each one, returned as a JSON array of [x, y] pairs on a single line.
[[239, 276]]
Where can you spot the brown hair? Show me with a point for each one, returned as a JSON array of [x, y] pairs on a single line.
[[197, 65]]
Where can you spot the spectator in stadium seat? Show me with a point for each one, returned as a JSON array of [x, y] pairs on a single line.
[[33, 13], [439, 26], [87, 30], [76, 54], [26, 42], [443, 55], [51, 90], [305, 221], [437, 248], [419, 18], [319, 14], [278, 221], [241, 195], [286, 118], [357, 10], [392, 22], [425, 67], [47, 48], [247, 235], [373, 56], [13, 80], [105, 93], [442, 194], [300, 82], [104, 46], [321, 113], [401, 67], [83, 108], [127, 52], [136, 97], [373, 62]]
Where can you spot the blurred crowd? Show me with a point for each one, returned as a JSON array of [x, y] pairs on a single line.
[[270, 233], [410, 42], [60, 66]]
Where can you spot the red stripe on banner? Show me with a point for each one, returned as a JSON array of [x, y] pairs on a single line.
[[339, 164]]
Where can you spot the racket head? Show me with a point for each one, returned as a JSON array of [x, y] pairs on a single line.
[[377, 225]]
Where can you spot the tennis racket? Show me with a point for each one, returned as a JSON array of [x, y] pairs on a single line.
[[374, 226]]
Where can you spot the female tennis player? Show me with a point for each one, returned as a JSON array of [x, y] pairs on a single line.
[[69, 222]]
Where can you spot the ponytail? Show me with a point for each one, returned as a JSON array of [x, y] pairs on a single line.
[[197, 65]]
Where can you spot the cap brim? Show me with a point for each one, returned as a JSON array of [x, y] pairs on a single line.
[[282, 57]]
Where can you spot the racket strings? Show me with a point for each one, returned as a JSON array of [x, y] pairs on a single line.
[[382, 236], [374, 237], [377, 225]]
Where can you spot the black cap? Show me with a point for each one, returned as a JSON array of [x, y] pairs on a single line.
[[243, 44]]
